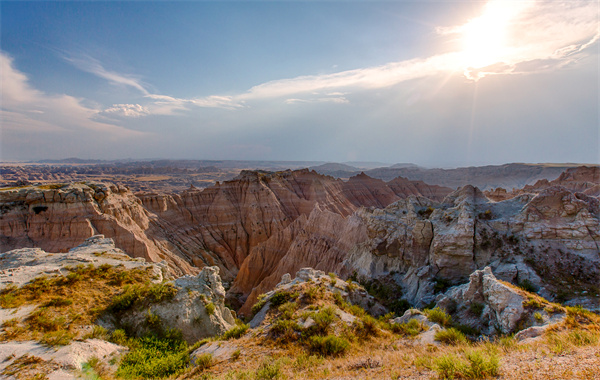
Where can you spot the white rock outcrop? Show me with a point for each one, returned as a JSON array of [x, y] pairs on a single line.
[[197, 309]]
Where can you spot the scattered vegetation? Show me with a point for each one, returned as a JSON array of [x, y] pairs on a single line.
[[410, 328], [236, 332], [438, 316], [329, 345], [451, 336], [476, 364], [154, 356]]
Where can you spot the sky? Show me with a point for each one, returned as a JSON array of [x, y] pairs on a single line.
[[436, 83]]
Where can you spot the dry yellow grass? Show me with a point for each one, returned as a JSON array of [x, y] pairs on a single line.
[[65, 304]]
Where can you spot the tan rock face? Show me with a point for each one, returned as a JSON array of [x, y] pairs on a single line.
[[217, 226], [57, 219]]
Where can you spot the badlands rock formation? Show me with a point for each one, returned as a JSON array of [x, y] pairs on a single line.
[[190, 311], [550, 239], [262, 225], [488, 305], [584, 179], [216, 226]]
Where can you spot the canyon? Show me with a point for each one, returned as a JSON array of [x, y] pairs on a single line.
[[261, 225]]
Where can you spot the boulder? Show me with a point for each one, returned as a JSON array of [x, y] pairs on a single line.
[[197, 309]]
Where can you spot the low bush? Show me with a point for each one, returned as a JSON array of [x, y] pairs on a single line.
[[210, 308], [450, 336], [236, 332], [323, 320], [269, 369], [153, 357], [410, 328], [476, 308], [260, 303], [204, 361], [281, 297], [528, 286], [366, 327], [57, 338], [329, 345], [475, 365], [438, 316]]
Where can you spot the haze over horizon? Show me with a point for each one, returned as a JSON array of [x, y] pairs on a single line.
[[443, 84]]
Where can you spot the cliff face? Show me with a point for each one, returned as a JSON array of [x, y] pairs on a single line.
[[57, 219], [219, 225], [550, 239], [262, 225], [583, 179]]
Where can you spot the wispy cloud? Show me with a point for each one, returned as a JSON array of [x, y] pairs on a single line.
[[534, 37], [26, 109], [93, 66]]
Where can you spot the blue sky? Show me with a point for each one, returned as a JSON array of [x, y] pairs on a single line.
[[448, 83]]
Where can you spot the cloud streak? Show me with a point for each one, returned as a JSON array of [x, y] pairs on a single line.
[[93, 66], [26, 109]]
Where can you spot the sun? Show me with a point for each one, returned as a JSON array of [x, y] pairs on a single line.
[[483, 42], [484, 39]]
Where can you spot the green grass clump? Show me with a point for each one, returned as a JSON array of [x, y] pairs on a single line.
[[154, 357], [269, 369], [145, 293], [236, 332], [204, 361], [329, 345], [286, 330], [323, 320], [410, 328], [57, 338], [475, 365], [281, 297], [366, 327], [210, 308], [438, 316], [260, 303], [451, 336]]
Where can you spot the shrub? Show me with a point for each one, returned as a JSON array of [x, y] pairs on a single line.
[[236, 332], [287, 310], [98, 332], [441, 285], [476, 308], [281, 297], [323, 319], [476, 366], [119, 337], [538, 317], [411, 328], [268, 370], [260, 303], [153, 357], [204, 361], [58, 302], [329, 345], [366, 327], [42, 319], [210, 308], [286, 330], [450, 336], [57, 338], [132, 294], [438, 316]]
